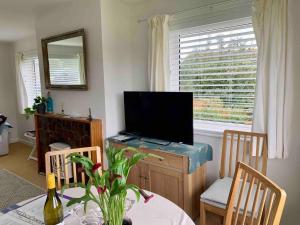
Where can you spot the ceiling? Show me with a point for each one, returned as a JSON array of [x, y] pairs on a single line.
[[17, 17]]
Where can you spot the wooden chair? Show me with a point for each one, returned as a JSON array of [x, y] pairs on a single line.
[[63, 169], [248, 147], [259, 202]]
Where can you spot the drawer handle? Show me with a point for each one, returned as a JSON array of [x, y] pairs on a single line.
[[145, 178]]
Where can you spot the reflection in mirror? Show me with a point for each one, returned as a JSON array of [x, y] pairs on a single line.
[[66, 62]]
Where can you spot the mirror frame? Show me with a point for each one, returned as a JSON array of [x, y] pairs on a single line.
[[60, 37]]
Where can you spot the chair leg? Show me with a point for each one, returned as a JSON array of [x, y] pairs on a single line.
[[31, 154], [202, 214]]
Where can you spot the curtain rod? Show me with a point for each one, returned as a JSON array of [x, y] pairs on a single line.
[[199, 7]]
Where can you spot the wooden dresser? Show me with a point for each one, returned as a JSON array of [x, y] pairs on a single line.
[[75, 131], [170, 178]]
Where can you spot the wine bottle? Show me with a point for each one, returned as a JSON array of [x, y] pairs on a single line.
[[53, 209]]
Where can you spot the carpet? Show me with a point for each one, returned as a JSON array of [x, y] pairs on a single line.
[[14, 189]]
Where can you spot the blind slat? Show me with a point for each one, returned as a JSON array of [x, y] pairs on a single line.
[[198, 31], [216, 51], [231, 67], [241, 42], [218, 74], [198, 39], [251, 60], [220, 55], [216, 79]]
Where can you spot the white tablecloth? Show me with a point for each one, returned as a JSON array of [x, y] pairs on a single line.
[[158, 211]]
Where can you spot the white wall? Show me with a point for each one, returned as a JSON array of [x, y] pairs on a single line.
[[284, 172], [8, 96], [24, 45], [71, 16], [116, 42], [139, 31]]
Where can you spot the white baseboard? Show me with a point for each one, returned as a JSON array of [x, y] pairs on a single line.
[[13, 140], [26, 142]]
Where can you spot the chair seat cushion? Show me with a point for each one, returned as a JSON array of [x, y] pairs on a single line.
[[217, 194]]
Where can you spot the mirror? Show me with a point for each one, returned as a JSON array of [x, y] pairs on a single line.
[[65, 61]]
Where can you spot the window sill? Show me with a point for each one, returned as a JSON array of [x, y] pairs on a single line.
[[216, 129]]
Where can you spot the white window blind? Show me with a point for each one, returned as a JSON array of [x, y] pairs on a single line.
[[218, 64], [31, 76], [66, 70]]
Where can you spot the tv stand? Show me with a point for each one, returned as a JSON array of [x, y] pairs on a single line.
[[178, 176], [155, 141]]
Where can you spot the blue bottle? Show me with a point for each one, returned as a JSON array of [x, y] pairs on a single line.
[[49, 103]]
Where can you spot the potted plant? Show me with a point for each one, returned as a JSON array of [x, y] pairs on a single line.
[[38, 106], [111, 184]]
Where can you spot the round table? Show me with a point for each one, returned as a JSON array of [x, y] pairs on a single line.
[[157, 211]]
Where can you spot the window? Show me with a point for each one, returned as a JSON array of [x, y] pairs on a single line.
[[218, 64], [30, 72], [66, 71], [66, 63]]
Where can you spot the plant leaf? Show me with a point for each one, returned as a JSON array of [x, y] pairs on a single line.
[[73, 201]]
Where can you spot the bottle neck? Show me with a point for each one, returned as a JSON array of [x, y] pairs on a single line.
[[52, 192]]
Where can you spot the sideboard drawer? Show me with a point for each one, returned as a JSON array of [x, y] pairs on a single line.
[[169, 159]]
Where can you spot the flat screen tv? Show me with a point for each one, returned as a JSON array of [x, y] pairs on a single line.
[[160, 115]]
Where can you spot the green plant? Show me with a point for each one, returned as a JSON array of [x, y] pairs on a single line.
[[111, 184], [37, 102]]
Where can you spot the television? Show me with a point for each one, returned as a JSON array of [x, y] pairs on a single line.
[[160, 115]]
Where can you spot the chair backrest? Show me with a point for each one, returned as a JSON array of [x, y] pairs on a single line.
[[248, 147], [259, 201], [57, 163]]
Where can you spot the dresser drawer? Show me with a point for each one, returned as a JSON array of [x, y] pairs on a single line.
[[168, 159], [171, 160]]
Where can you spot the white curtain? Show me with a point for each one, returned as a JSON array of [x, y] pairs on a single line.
[[270, 26], [21, 90], [158, 62]]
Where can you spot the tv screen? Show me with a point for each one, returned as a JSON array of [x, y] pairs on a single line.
[[161, 115]]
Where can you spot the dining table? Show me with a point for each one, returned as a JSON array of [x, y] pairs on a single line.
[[157, 211]]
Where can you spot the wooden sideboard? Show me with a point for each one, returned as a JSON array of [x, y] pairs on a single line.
[[75, 131], [170, 178]]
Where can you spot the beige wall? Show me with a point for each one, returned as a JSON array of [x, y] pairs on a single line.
[[116, 42], [71, 16], [8, 100]]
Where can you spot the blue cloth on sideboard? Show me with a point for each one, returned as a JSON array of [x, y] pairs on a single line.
[[198, 153]]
